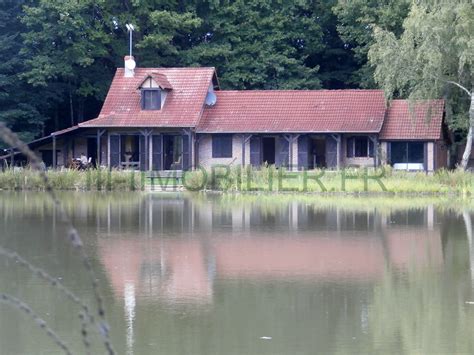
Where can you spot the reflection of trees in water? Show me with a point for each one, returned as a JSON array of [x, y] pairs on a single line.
[[421, 311]]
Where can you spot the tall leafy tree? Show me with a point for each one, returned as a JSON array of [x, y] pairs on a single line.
[[259, 44], [163, 29], [335, 59], [356, 20], [167, 37], [66, 45], [21, 108], [433, 56]]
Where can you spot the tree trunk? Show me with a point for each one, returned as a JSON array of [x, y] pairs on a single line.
[[467, 150], [56, 120], [71, 107], [80, 110]]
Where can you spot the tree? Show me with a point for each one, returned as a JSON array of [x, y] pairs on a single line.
[[434, 54], [21, 108], [169, 36], [356, 19], [163, 29], [259, 44], [336, 61], [66, 46]]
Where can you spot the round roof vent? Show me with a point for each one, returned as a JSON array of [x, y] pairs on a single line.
[[211, 98]]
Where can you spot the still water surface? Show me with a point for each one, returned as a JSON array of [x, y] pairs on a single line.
[[218, 275]]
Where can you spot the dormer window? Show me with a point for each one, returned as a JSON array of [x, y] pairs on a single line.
[[154, 89], [151, 99]]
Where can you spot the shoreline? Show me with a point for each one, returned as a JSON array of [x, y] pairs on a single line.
[[266, 181]]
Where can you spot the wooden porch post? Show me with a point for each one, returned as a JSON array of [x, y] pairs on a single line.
[[245, 139], [291, 140], [12, 157], [376, 150], [97, 160], [147, 151], [337, 138], [338, 153], [242, 159], [146, 134], [54, 152], [100, 133], [197, 141], [187, 134]]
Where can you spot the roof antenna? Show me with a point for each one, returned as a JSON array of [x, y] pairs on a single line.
[[130, 29], [129, 61]]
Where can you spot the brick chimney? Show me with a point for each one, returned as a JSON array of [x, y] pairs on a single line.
[[129, 66]]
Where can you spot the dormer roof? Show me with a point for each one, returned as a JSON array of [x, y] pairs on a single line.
[[159, 78]]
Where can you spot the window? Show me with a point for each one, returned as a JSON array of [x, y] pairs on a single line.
[[407, 152], [222, 146], [360, 147], [151, 99]]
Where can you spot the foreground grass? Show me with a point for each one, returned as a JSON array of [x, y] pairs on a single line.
[[267, 180], [90, 180], [356, 181]]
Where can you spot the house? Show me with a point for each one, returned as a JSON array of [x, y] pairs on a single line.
[[178, 118], [415, 134]]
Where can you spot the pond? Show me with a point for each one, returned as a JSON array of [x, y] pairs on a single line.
[[183, 274]]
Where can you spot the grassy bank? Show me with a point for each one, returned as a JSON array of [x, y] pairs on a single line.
[[267, 179], [359, 181], [90, 180]]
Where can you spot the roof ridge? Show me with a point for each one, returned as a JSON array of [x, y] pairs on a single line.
[[298, 90], [417, 100], [167, 68]]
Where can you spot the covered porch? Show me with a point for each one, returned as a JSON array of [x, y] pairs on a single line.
[[150, 150], [129, 149]]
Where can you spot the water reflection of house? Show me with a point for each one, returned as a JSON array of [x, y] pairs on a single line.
[[172, 270], [301, 244]]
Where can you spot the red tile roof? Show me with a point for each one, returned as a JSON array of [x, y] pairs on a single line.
[[256, 111], [295, 111], [183, 106], [422, 122]]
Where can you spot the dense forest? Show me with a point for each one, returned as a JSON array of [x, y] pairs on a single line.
[[59, 56]]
